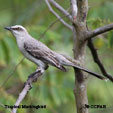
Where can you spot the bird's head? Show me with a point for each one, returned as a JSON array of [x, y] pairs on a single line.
[[17, 31]]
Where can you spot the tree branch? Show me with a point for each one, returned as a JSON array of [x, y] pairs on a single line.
[[32, 78], [80, 91], [61, 20], [52, 23], [99, 31], [60, 8], [82, 10], [74, 9], [97, 60]]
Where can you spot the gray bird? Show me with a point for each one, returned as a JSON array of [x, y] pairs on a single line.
[[40, 54]]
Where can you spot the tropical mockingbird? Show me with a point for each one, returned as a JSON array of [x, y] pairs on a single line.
[[40, 54]]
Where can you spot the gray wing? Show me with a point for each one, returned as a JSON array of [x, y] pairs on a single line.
[[44, 54]]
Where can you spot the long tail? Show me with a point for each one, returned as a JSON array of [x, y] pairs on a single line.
[[71, 62], [90, 72]]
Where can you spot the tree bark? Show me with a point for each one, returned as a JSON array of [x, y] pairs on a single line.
[[80, 77], [79, 31]]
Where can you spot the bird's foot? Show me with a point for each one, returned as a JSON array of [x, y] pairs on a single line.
[[30, 85], [34, 76]]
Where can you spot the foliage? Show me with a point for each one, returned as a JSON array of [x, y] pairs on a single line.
[[55, 88]]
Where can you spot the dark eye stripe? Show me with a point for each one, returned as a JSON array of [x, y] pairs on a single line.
[[17, 28]]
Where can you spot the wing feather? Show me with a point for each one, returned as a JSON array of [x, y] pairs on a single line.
[[44, 54]]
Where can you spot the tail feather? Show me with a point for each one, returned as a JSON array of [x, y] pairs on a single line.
[[90, 72], [74, 63]]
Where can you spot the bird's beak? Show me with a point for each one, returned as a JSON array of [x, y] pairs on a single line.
[[8, 28]]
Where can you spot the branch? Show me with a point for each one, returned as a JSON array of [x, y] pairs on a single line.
[[99, 31], [80, 91], [74, 9], [32, 78], [60, 8], [61, 20], [82, 10], [97, 60], [49, 26]]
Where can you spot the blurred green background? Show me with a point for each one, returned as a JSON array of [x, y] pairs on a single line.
[[55, 88]]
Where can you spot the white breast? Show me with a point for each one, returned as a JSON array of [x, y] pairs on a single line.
[[20, 43]]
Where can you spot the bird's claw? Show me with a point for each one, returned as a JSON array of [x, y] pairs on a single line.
[[30, 85]]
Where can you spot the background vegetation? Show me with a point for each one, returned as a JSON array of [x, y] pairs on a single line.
[[55, 88]]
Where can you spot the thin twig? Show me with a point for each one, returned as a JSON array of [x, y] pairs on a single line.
[[97, 60], [61, 20], [9, 76], [99, 31], [32, 78], [50, 25], [61, 9], [5, 107]]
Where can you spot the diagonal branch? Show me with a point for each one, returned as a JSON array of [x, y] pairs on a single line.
[[99, 31], [60, 8], [97, 60], [53, 23], [61, 20], [32, 78]]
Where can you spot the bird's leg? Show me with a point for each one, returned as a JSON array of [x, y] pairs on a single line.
[[29, 80], [34, 76]]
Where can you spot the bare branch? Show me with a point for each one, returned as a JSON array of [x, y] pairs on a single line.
[[74, 9], [53, 23], [60, 8], [21, 97], [61, 20], [99, 31], [32, 78], [97, 60]]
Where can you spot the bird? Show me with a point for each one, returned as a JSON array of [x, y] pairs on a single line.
[[42, 55]]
